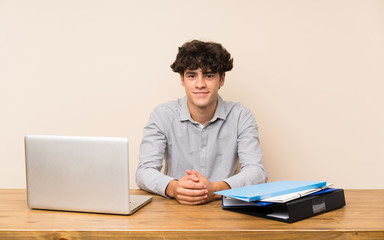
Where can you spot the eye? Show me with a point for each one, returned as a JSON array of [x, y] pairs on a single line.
[[210, 76]]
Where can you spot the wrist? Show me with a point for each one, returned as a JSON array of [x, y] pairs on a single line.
[[169, 191], [219, 186]]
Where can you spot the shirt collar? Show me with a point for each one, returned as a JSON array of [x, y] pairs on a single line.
[[220, 110], [184, 113], [219, 113]]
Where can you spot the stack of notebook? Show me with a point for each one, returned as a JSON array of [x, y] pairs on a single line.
[[287, 201]]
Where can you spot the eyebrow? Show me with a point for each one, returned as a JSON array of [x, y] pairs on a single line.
[[194, 72]]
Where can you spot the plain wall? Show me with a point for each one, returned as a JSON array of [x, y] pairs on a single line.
[[311, 72]]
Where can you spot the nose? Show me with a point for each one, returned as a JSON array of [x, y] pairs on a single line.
[[200, 82]]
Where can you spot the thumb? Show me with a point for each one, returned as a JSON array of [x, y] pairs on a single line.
[[192, 173]]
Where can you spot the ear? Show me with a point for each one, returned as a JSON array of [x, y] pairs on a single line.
[[222, 80], [182, 79]]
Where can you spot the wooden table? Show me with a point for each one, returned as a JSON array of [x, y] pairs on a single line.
[[361, 218]]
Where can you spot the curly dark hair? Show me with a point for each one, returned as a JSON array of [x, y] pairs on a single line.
[[205, 55]]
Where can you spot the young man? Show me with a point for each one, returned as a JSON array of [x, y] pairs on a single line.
[[202, 138]]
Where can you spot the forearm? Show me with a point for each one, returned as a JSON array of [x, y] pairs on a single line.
[[152, 180], [249, 175]]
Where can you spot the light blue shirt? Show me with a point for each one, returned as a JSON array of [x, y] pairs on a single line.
[[215, 150]]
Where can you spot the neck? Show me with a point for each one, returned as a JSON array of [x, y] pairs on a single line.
[[202, 115]]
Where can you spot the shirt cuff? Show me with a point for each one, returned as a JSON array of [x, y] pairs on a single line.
[[232, 182], [162, 186]]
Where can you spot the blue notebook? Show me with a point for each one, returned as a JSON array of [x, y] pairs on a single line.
[[271, 189]]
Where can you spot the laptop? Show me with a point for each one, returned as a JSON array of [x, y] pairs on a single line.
[[81, 174]]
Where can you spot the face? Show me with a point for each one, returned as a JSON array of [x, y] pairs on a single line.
[[202, 88]]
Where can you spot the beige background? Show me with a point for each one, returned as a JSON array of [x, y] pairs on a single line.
[[310, 71]]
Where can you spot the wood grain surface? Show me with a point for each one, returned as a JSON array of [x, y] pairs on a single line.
[[361, 218]]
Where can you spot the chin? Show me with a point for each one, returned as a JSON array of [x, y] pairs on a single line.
[[202, 104]]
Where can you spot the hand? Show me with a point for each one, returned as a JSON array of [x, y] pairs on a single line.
[[211, 186], [188, 190]]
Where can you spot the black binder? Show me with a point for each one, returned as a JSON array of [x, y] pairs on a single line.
[[298, 209]]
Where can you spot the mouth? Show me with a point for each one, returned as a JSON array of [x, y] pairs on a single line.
[[200, 93]]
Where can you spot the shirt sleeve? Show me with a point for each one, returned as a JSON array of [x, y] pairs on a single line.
[[249, 151], [152, 150]]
